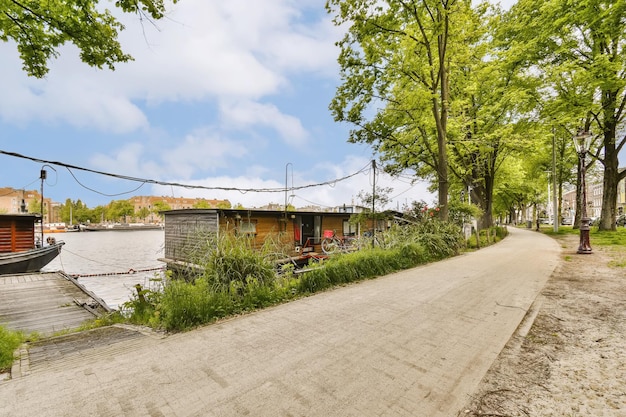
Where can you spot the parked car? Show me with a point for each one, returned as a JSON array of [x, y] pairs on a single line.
[[567, 221]]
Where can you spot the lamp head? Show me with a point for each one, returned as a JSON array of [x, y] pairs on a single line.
[[582, 141]]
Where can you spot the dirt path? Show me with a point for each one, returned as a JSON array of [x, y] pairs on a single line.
[[571, 362], [415, 343]]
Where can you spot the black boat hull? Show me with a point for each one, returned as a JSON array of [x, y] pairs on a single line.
[[28, 261]]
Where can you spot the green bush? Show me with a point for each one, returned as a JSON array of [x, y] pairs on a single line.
[[9, 341], [365, 264], [487, 237], [237, 277]]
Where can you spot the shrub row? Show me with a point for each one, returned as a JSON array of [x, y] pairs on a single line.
[[237, 277]]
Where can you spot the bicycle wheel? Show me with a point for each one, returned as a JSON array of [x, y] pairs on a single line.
[[330, 245], [352, 244]]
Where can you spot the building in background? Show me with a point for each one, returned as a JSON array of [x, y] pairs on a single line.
[[595, 188], [14, 201]]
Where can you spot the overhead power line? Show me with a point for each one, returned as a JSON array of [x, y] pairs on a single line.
[[175, 184]]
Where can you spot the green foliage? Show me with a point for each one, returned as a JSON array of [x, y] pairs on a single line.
[[120, 210], [575, 51], [76, 212], [39, 28], [9, 341], [224, 204], [202, 204], [487, 236], [159, 206], [34, 206], [226, 258], [462, 212], [237, 277], [361, 265]]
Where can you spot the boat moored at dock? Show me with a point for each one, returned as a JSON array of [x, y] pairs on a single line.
[[20, 251]]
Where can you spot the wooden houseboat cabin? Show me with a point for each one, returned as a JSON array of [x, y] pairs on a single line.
[[301, 231], [17, 232]]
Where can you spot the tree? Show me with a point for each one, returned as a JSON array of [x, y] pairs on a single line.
[[34, 206], [486, 126], [159, 206], [39, 28], [578, 48], [398, 54], [143, 213], [120, 210], [202, 204], [375, 203], [75, 212], [376, 200], [224, 204]]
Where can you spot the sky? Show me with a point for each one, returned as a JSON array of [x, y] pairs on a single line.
[[221, 94]]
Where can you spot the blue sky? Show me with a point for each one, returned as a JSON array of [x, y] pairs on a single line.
[[221, 94]]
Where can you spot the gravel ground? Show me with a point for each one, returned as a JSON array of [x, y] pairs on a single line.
[[571, 361]]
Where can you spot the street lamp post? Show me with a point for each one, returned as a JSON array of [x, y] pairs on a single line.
[[582, 142]]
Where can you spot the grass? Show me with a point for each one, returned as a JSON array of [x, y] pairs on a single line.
[[237, 277], [9, 341], [613, 242]]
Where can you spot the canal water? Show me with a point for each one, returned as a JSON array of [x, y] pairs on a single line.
[[111, 263]]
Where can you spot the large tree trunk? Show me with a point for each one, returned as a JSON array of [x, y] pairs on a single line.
[[609, 193], [482, 196], [611, 165], [442, 121]]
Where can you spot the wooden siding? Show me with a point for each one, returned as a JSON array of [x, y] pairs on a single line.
[[17, 234], [267, 225], [182, 226], [333, 223]]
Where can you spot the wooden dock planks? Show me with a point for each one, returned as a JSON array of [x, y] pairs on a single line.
[[45, 303]]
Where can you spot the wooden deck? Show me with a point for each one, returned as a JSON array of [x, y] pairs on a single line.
[[46, 303]]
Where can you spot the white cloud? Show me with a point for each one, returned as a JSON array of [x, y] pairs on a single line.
[[246, 114], [126, 160], [204, 51], [201, 151], [336, 194]]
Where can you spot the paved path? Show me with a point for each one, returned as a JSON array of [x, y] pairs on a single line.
[[415, 343]]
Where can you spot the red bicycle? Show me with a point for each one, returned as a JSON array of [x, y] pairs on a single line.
[[334, 244]]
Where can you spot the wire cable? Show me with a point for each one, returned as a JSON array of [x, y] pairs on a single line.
[[100, 192], [175, 184]]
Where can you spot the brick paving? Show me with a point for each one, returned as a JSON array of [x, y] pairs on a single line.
[[415, 343]]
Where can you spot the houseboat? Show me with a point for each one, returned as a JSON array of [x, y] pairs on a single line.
[[300, 233], [20, 250]]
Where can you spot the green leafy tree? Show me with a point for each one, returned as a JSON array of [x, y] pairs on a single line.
[[143, 213], [39, 28], [404, 58], [34, 206], [75, 212], [225, 204], [121, 210], [159, 206], [202, 204], [486, 126], [375, 203], [578, 50], [98, 214]]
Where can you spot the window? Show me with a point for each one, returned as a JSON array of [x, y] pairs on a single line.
[[247, 227], [349, 229]]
